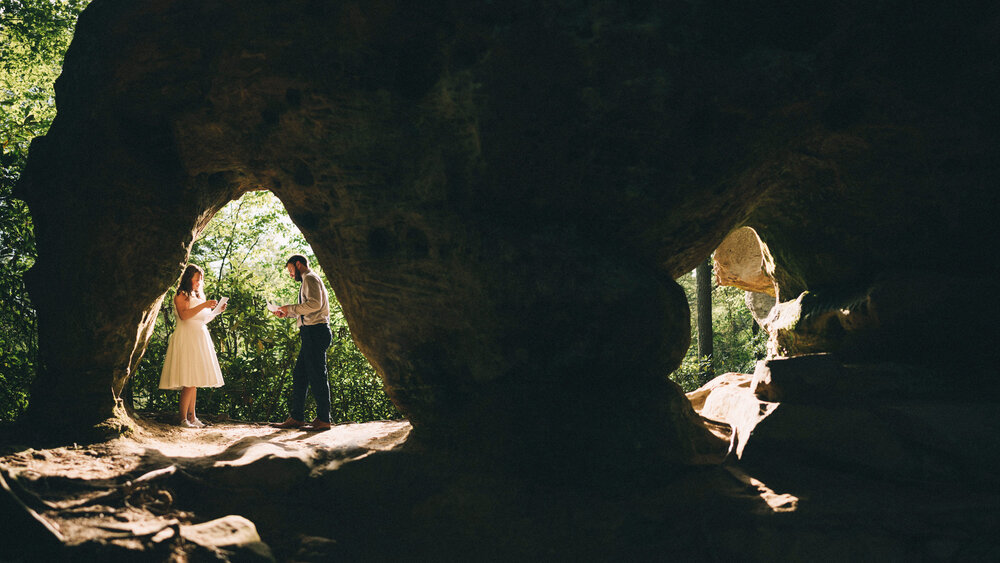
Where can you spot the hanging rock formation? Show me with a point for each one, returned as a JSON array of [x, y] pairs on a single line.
[[743, 261], [502, 193]]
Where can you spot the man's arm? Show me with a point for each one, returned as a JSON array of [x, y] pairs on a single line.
[[312, 292]]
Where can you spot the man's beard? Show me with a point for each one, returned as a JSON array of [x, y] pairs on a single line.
[[298, 275]]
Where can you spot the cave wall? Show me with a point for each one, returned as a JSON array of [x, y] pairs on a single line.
[[502, 195]]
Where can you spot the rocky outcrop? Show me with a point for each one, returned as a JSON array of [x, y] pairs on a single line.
[[743, 261], [885, 420], [503, 193], [353, 493], [900, 315], [760, 305]]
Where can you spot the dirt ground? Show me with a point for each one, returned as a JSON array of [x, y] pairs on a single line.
[[249, 492], [120, 496]]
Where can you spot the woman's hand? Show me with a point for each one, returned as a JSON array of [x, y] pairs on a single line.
[[184, 309], [210, 304]]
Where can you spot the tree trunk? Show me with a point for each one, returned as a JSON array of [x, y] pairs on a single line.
[[703, 277]]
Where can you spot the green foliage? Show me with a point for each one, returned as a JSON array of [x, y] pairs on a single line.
[[34, 35], [248, 243], [737, 346], [693, 371], [18, 331]]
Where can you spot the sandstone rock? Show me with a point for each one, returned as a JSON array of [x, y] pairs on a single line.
[[502, 195], [316, 549], [759, 304], [233, 535], [889, 419], [262, 464], [802, 379], [24, 532], [830, 434], [899, 317], [825, 379], [798, 498], [730, 399], [742, 261]]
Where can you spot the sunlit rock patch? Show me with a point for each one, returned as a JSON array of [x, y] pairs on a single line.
[[140, 493]]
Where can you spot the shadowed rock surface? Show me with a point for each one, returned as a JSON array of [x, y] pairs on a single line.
[[246, 492], [503, 193]]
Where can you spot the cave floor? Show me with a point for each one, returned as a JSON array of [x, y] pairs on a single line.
[[124, 495], [245, 491]]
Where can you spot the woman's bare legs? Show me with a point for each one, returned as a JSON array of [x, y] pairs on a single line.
[[194, 396], [187, 403]]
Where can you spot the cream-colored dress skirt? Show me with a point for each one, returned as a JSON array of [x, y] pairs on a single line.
[[191, 359]]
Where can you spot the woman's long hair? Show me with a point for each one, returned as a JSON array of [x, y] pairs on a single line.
[[187, 279]]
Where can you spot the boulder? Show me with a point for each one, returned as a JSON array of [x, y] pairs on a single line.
[[730, 399], [742, 261], [760, 305], [885, 420], [231, 537]]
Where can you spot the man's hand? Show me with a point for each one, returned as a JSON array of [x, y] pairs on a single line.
[[282, 311]]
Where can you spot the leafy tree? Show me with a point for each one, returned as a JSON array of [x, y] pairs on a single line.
[[736, 345], [34, 35]]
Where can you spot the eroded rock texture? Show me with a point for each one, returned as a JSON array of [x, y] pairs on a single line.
[[502, 193], [743, 261]]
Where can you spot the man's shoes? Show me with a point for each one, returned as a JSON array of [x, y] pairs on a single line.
[[289, 423], [317, 425]]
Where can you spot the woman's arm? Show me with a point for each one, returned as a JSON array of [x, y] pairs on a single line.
[[184, 309]]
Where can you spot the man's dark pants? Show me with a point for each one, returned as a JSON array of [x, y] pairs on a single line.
[[310, 372]]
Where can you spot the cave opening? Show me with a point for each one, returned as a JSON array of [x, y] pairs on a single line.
[[243, 250], [735, 299]]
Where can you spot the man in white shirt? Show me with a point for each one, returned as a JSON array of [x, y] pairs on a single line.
[[312, 315]]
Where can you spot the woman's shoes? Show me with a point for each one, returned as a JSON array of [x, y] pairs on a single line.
[[187, 424], [197, 423]]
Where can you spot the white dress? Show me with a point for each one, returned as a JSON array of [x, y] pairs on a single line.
[[191, 359]]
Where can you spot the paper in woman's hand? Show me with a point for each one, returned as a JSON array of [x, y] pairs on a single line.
[[218, 307]]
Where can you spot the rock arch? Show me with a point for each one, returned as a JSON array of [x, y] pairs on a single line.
[[501, 195]]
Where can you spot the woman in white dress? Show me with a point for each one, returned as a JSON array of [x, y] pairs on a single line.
[[191, 362]]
